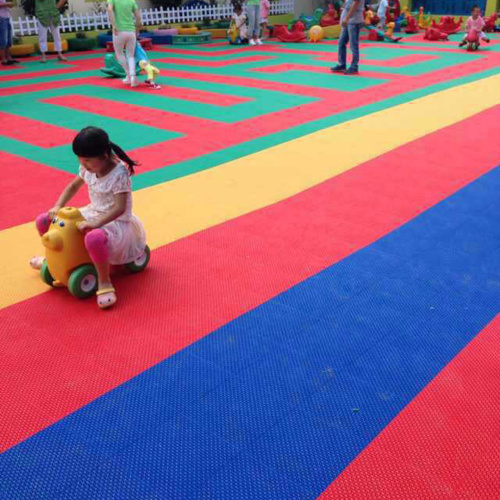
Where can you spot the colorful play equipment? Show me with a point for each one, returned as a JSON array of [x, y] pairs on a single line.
[[114, 69], [193, 39], [377, 35], [424, 20], [331, 18], [448, 25], [435, 35], [144, 42], [308, 21], [473, 41], [67, 262], [283, 34], [490, 23], [394, 11], [411, 26], [316, 34]]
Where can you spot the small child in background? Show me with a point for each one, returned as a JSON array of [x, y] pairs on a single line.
[[475, 22], [238, 31], [265, 7]]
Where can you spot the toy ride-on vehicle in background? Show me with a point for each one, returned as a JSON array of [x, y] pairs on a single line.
[[472, 40], [67, 262]]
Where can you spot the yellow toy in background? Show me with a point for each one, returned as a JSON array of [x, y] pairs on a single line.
[[67, 262], [390, 30], [316, 34], [151, 72]]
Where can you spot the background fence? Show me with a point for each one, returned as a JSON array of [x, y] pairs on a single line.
[[76, 22]]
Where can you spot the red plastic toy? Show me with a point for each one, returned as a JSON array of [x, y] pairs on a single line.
[[393, 12], [490, 23], [331, 18], [283, 34], [448, 25], [412, 26], [435, 35], [473, 40]]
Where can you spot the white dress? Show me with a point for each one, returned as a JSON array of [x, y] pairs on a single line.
[[126, 235]]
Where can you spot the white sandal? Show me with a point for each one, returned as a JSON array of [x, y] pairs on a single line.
[[37, 263], [106, 297]]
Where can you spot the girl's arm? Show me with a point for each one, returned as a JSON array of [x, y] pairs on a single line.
[[117, 210], [69, 191], [111, 16]]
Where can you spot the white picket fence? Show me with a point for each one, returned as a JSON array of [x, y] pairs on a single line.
[[75, 22]]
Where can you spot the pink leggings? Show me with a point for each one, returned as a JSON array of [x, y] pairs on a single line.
[[96, 241]]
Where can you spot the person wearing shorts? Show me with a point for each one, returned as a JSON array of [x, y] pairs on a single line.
[[6, 33]]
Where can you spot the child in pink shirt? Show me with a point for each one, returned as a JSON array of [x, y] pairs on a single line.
[[265, 6], [475, 22]]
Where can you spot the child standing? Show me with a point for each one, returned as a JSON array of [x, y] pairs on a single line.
[[382, 13], [6, 33], [265, 7], [113, 235], [126, 20], [239, 25], [475, 22]]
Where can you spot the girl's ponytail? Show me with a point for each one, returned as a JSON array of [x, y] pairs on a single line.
[[124, 157]]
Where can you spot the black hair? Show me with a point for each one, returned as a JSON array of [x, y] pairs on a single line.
[[92, 142], [474, 7], [237, 6]]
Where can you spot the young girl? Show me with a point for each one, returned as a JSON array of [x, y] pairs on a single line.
[[475, 22], [113, 235], [238, 23]]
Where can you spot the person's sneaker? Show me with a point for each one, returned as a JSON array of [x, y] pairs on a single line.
[[351, 71], [252, 42], [462, 43], [338, 69], [258, 41], [134, 82], [15, 61], [487, 40], [126, 81]]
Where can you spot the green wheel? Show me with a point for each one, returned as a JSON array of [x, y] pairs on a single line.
[[45, 274], [140, 263], [83, 281]]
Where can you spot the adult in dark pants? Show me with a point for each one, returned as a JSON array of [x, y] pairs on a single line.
[[352, 20]]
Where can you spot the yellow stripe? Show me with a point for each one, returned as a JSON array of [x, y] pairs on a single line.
[[185, 206]]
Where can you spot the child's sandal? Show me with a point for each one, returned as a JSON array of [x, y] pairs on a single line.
[[106, 297], [37, 263]]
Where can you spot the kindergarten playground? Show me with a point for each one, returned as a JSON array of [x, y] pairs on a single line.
[[319, 318]]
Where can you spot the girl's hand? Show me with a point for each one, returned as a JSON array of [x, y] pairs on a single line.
[[85, 226], [115, 32]]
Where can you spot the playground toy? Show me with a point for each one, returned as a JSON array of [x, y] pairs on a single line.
[[331, 18], [424, 20], [394, 11], [283, 34], [67, 262], [473, 40], [113, 68], [490, 23], [377, 35], [412, 26], [448, 25], [308, 21], [316, 34], [435, 35]]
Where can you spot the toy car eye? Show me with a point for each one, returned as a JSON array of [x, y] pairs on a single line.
[[61, 224]]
